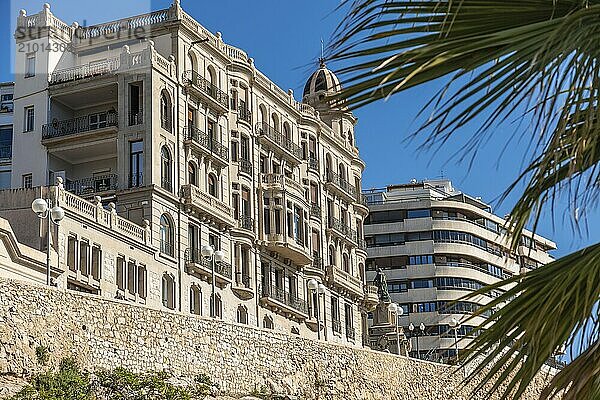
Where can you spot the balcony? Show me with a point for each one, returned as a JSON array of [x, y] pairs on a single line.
[[271, 136], [6, 152], [93, 185], [288, 247], [282, 183], [343, 231], [371, 296], [242, 286], [245, 166], [337, 183], [208, 206], [107, 67], [313, 164], [207, 145], [284, 302], [246, 223], [135, 118], [344, 282], [316, 267], [361, 205], [106, 122], [201, 86], [195, 264], [336, 326], [244, 114], [315, 211]]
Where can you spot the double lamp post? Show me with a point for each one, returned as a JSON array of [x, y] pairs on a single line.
[[44, 210]]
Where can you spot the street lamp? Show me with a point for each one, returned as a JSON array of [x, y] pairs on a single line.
[[411, 328], [54, 215], [209, 253], [454, 325], [319, 289], [398, 311]]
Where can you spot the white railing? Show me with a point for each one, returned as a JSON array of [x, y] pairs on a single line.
[[129, 24], [207, 202], [85, 71], [95, 213]]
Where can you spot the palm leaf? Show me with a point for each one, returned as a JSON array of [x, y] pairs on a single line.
[[534, 61]]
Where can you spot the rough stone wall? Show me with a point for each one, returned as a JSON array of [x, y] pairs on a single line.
[[104, 333]]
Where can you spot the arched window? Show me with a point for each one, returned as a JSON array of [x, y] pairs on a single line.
[[262, 114], [166, 235], [342, 171], [212, 77], [346, 263], [192, 178], [218, 306], [275, 122], [212, 185], [191, 62], [350, 139], [168, 291], [242, 314], [165, 169], [268, 322], [331, 255], [287, 131], [165, 110], [195, 300]]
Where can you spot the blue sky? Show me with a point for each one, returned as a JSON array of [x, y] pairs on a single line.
[[284, 39]]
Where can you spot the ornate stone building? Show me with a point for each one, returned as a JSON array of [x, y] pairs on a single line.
[[163, 146], [435, 245]]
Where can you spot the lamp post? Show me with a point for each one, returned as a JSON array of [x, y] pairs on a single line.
[[208, 252], [319, 289], [454, 325], [411, 328], [42, 207], [398, 311]]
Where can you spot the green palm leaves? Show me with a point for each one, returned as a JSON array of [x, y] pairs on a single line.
[[536, 61]]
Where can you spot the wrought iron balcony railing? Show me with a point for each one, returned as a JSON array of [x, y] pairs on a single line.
[[5, 151], [245, 166], [313, 163], [94, 184], [350, 332], [221, 267], [85, 71], [247, 223], [244, 113], [284, 297], [336, 326], [317, 262], [136, 118], [78, 125], [344, 229], [211, 145], [340, 182], [206, 87], [275, 136], [136, 180], [315, 210]]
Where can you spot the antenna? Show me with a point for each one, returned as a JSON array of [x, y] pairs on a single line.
[[322, 49]]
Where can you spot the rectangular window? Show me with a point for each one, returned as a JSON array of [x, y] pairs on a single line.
[[131, 281], [30, 65], [121, 272], [234, 151], [27, 181], [235, 202], [245, 148], [424, 213], [96, 262], [215, 241], [277, 221], [6, 136], [71, 246], [4, 180], [136, 163], [98, 120], [29, 119], [84, 258], [141, 279]]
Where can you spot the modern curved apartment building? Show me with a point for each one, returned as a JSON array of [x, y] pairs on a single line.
[[436, 244]]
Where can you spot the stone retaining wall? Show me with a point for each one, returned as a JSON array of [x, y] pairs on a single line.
[[104, 333]]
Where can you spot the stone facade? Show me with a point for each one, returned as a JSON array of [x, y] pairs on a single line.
[[108, 333]]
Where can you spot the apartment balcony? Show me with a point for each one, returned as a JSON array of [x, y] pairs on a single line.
[[350, 333], [313, 164], [244, 114], [340, 229], [344, 282], [316, 267], [245, 166], [203, 143], [336, 326], [242, 287], [293, 249], [270, 136], [203, 88], [315, 211], [135, 118], [361, 205], [88, 71], [371, 296], [282, 302], [208, 206], [5, 152], [86, 128], [195, 264], [93, 185], [336, 183], [246, 223], [284, 184]]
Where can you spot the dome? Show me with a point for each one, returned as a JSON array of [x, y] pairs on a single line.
[[322, 82]]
